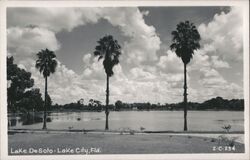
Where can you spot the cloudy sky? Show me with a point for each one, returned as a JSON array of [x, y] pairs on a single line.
[[148, 71]]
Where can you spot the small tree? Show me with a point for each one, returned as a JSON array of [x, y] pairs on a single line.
[[118, 105]]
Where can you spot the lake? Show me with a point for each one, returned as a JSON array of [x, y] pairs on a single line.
[[150, 120]]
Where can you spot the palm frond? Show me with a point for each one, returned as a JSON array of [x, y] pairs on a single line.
[[185, 40], [109, 50], [46, 62]]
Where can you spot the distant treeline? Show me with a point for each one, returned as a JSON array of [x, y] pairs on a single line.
[[217, 103]]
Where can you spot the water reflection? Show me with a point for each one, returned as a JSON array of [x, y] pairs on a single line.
[[26, 119], [31, 119], [13, 122], [16, 120]]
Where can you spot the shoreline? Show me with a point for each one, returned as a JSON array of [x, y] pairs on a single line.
[[211, 134], [118, 131], [71, 110]]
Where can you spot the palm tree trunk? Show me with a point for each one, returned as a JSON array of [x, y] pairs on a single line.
[[45, 105], [185, 97], [107, 104]]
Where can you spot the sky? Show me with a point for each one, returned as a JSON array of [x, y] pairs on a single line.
[[148, 70]]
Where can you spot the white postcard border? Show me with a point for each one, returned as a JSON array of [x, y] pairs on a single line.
[[3, 83]]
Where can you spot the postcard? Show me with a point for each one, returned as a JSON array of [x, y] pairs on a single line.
[[124, 80]]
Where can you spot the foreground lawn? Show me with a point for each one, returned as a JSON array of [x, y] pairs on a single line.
[[100, 143]]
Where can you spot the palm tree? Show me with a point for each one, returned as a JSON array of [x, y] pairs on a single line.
[[108, 49], [46, 63], [185, 40]]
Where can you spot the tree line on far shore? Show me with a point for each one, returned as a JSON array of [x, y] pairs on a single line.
[[214, 104]]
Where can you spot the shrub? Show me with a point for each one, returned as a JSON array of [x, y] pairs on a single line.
[[227, 127]]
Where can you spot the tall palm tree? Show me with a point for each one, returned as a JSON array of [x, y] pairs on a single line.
[[46, 63], [108, 49], [185, 40]]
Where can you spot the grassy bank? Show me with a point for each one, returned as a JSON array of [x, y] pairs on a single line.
[[119, 143]]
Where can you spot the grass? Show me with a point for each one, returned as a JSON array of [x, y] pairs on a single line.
[[213, 140], [126, 131], [117, 144]]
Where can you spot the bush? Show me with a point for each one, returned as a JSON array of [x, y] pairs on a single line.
[[227, 127]]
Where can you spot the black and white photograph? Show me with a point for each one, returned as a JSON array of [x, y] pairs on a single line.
[[132, 80]]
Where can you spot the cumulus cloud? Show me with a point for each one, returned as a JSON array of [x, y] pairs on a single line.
[[139, 74], [224, 35], [200, 60], [86, 59], [94, 71], [170, 63], [214, 84], [27, 41], [54, 19], [211, 78], [219, 63]]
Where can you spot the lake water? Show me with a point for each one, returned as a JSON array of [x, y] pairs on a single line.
[[150, 120]]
